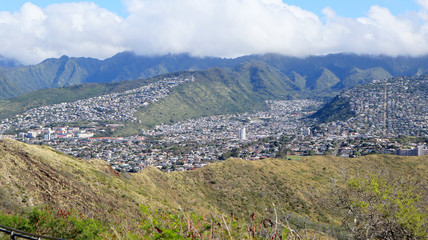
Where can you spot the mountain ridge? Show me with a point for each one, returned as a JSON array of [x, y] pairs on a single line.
[[67, 71], [244, 87]]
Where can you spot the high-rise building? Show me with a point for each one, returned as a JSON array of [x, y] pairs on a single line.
[[242, 135], [306, 131]]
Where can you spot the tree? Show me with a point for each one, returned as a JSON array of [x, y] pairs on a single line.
[[309, 152], [235, 152], [328, 152], [375, 207], [356, 153]]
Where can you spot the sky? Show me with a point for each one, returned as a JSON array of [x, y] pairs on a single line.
[[34, 30]]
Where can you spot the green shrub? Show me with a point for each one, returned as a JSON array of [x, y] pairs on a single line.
[[62, 224], [383, 207]]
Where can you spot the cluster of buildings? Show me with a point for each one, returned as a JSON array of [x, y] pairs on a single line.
[[343, 146], [418, 151], [384, 110], [58, 133], [281, 117], [190, 144], [390, 107], [114, 107]]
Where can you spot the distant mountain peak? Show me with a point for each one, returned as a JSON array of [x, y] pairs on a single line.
[[332, 72]]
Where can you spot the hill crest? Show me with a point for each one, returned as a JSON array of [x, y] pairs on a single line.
[[300, 190], [335, 71], [36, 175]]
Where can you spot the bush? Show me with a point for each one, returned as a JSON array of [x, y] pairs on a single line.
[[382, 207], [61, 224]]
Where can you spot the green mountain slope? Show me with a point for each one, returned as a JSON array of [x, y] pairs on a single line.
[[326, 80], [218, 91], [8, 87], [38, 176], [338, 109], [221, 90], [338, 71], [50, 73], [358, 76], [214, 92], [66, 71]]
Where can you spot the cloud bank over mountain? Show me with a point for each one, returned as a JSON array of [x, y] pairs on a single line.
[[224, 28]]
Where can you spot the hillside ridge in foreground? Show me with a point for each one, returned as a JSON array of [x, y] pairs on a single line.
[[33, 175]]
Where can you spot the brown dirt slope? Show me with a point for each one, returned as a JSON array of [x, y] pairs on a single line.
[[33, 175], [36, 175]]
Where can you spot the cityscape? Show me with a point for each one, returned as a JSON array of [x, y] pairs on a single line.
[[202, 119], [284, 130]]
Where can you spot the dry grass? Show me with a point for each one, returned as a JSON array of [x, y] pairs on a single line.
[[36, 175]]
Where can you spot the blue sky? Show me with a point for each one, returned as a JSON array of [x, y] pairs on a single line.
[[354, 8], [113, 5], [347, 8], [35, 30]]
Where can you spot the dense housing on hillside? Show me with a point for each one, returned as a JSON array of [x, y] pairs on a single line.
[[391, 107]]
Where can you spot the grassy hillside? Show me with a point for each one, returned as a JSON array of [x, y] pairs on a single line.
[[214, 92], [299, 189], [241, 186], [218, 91], [36, 175]]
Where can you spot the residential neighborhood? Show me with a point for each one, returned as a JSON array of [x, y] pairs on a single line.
[[390, 107], [115, 107], [385, 111]]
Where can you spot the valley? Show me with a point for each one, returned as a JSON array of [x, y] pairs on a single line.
[[181, 146], [173, 141], [95, 127], [252, 120]]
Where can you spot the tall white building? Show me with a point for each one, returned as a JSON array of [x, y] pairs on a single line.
[[242, 135], [306, 132]]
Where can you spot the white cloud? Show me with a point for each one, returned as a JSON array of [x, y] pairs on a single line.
[[423, 3], [219, 28], [225, 28], [75, 29]]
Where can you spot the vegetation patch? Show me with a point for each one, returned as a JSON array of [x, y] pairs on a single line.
[[304, 196], [339, 109]]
